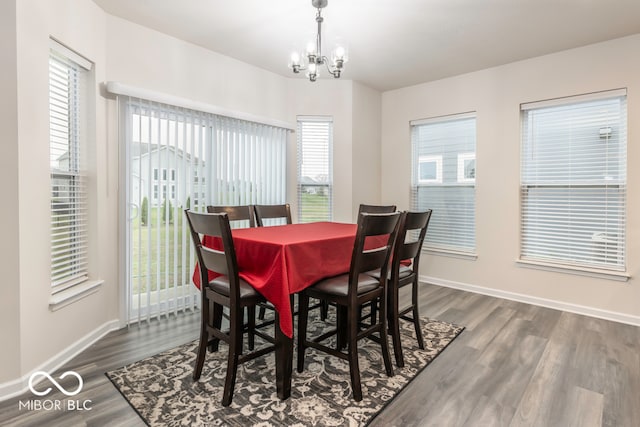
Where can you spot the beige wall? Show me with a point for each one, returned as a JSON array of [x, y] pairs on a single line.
[[10, 243], [151, 60], [366, 165], [495, 94]]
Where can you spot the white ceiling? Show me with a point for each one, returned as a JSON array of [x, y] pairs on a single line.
[[391, 43]]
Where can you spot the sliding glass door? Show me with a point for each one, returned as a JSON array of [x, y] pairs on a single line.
[[179, 159]]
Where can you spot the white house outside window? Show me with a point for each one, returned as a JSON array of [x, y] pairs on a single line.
[[573, 181], [69, 201], [444, 172]]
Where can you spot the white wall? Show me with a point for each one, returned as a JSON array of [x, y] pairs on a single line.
[[495, 94], [366, 163], [9, 214], [151, 60]]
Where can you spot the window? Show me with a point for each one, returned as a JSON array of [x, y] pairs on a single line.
[[444, 171], [430, 170], [155, 174], [573, 181], [467, 167], [315, 172], [69, 199]]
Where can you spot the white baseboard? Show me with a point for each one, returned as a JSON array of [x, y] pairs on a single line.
[[543, 302], [21, 385]]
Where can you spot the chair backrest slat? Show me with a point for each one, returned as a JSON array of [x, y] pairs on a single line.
[[376, 209], [215, 260], [404, 249], [382, 226], [272, 212], [236, 213]]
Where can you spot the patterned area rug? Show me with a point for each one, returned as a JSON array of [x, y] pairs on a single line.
[[161, 390]]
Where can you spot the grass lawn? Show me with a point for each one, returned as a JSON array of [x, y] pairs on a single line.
[[164, 245]]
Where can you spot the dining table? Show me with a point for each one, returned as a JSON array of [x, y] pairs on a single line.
[[279, 261]]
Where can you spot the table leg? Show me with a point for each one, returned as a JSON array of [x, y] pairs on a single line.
[[284, 361]]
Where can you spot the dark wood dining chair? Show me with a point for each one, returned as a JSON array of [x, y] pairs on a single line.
[[241, 216], [408, 246], [272, 212], [227, 290], [376, 209], [349, 292], [244, 213]]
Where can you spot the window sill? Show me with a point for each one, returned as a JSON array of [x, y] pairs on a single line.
[[76, 293], [619, 276], [451, 254]]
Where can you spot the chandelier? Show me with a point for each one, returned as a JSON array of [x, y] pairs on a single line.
[[314, 58]]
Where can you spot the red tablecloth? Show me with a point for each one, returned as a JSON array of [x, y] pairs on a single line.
[[281, 260]]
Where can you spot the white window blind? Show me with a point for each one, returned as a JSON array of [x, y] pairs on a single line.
[[178, 158], [69, 216], [573, 181], [444, 173], [315, 170]]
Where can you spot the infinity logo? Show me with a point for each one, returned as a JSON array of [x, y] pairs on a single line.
[[55, 383]]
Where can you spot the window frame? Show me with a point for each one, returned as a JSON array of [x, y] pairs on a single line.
[[69, 113], [446, 178], [327, 211], [574, 185], [437, 159]]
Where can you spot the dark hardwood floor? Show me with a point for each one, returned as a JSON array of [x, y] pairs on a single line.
[[514, 365]]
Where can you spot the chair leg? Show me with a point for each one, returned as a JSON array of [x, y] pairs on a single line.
[[235, 346], [324, 310], [354, 367], [303, 312], [216, 322], [374, 313], [202, 345], [416, 315], [341, 325], [393, 320], [384, 340], [251, 326], [261, 313]]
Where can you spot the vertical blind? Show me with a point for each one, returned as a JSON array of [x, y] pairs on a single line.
[[444, 172], [573, 181], [177, 159], [315, 168], [69, 215]]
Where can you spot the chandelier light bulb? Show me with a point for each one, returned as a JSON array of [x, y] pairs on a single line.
[[311, 48], [340, 52], [295, 58]]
